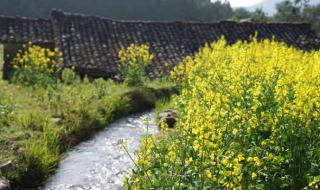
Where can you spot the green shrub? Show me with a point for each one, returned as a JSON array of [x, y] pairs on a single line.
[[101, 88], [74, 105], [69, 77], [77, 104]]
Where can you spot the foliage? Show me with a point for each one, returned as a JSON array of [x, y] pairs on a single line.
[[259, 16], [298, 11], [33, 120], [133, 60], [36, 66], [312, 15], [41, 156], [241, 13], [6, 110], [201, 10], [291, 10], [163, 104], [48, 121], [117, 105], [75, 104], [287, 10], [69, 77], [102, 87], [249, 120]]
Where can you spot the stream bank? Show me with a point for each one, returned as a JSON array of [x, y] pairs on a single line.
[[101, 162], [30, 172]]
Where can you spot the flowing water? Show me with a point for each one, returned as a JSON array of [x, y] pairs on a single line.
[[101, 163]]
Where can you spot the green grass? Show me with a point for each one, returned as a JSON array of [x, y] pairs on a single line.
[[32, 138], [35, 143], [163, 104]]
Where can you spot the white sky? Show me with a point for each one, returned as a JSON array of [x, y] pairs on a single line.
[[243, 3]]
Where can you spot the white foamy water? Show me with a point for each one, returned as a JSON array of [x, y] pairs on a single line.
[[101, 163]]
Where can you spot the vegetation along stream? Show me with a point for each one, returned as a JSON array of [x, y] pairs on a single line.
[[102, 162]]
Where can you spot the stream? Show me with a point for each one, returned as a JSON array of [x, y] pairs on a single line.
[[101, 163]]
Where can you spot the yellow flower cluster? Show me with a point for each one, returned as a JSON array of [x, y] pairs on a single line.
[[240, 98], [36, 57], [133, 61], [135, 54], [250, 119]]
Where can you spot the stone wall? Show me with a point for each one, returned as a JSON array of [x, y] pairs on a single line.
[[91, 44]]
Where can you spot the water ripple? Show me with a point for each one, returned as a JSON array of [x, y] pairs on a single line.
[[100, 163]]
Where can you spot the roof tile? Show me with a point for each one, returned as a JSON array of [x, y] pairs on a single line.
[[91, 43]]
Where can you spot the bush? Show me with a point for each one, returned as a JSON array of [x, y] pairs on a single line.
[[36, 66], [249, 120], [134, 59], [72, 104], [78, 103], [101, 88], [69, 77]]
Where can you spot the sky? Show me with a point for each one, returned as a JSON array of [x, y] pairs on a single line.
[[243, 3], [268, 6]]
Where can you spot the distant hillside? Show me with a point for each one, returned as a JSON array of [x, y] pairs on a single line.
[[269, 6], [197, 10]]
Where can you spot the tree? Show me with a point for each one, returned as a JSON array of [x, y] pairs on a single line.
[[259, 15], [291, 10], [312, 15], [299, 10], [241, 13], [197, 10]]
